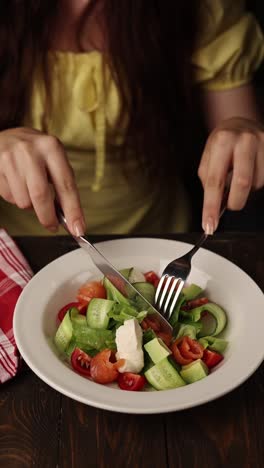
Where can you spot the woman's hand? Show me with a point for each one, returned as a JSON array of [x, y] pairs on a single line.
[[236, 145], [30, 162]]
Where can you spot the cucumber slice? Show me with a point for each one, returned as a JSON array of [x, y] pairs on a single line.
[[213, 343], [70, 348], [157, 350], [185, 329], [148, 292], [97, 313], [136, 276], [211, 325], [194, 371], [73, 311], [191, 292], [126, 272], [64, 333], [164, 376], [79, 320], [113, 294], [220, 317]]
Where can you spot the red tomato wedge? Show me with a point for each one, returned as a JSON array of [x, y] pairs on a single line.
[[150, 322], [195, 303], [211, 358], [80, 362], [62, 312], [152, 277], [103, 370], [90, 290], [130, 381], [185, 350], [166, 337]]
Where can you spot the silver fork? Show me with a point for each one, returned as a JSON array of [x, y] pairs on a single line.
[[176, 273]]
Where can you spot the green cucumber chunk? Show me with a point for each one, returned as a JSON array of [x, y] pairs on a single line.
[[113, 294], [211, 325], [64, 333], [191, 292], [194, 371], [187, 329], [188, 293], [79, 319], [148, 292], [213, 343], [163, 376], [148, 335], [136, 276], [157, 350], [125, 272], [175, 314], [97, 313]]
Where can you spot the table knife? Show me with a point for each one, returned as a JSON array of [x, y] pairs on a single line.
[[113, 275]]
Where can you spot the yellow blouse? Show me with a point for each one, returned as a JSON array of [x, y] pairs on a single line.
[[84, 113]]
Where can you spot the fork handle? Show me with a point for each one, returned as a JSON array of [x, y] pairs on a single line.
[[204, 235]]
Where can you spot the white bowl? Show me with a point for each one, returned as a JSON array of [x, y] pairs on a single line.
[[57, 283]]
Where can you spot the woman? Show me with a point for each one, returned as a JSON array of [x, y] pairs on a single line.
[[102, 90]]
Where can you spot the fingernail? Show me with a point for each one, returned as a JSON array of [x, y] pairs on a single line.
[[209, 227], [79, 228]]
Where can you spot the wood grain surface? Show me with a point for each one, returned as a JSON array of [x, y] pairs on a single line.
[[41, 428]]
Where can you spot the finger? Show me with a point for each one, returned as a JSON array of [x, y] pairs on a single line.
[[258, 177], [17, 185], [63, 179], [221, 153], [204, 163], [42, 197], [244, 159], [5, 191]]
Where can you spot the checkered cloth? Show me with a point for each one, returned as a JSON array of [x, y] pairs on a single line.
[[14, 275]]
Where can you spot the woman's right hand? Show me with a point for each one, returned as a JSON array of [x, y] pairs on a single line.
[[29, 162]]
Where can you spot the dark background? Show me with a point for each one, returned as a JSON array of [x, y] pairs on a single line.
[[251, 218]]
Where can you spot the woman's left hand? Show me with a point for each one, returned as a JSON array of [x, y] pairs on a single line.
[[236, 145]]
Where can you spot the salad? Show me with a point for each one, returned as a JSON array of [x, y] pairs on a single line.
[[108, 337]]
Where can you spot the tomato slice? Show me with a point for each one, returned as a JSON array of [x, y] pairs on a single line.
[[178, 356], [195, 303], [130, 381], [90, 290], [185, 350], [212, 358], [103, 369], [150, 322], [166, 337], [62, 312], [80, 362], [152, 277], [191, 349]]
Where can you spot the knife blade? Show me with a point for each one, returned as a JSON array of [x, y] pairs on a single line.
[[113, 275], [120, 282]]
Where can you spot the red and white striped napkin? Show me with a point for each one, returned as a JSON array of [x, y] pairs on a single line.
[[14, 275]]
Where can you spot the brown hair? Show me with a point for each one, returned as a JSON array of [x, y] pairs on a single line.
[[149, 45]]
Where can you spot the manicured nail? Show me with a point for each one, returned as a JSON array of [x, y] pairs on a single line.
[[209, 227], [79, 228]]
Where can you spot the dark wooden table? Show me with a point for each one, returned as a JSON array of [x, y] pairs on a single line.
[[39, 427]]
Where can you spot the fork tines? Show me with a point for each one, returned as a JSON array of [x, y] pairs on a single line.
[[167, 294]]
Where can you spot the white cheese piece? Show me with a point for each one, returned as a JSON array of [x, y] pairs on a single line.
[[129, 346]]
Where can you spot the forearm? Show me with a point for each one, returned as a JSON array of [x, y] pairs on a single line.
[[222, 105]]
